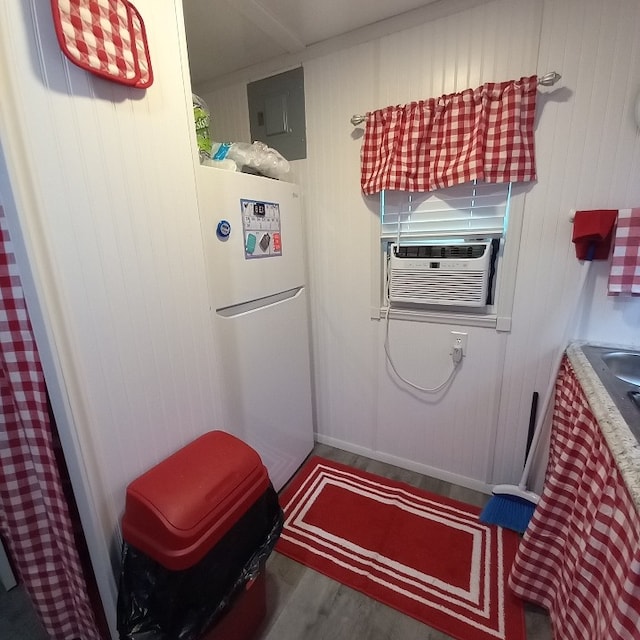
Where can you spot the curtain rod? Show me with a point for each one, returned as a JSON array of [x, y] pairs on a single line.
[[547, 80]]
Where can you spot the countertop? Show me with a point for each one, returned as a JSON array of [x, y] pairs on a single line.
[[621, 441]]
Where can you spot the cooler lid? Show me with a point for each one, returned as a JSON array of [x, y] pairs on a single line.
[[179, 509]]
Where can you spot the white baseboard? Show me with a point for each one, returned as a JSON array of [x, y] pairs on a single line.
[[380, 456]]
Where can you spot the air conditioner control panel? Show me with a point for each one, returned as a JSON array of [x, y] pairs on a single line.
[[451, 265]]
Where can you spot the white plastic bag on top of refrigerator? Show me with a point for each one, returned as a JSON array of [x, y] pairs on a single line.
[[258, 156]]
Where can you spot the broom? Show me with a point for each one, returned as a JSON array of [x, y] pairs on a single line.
[[512, 506]]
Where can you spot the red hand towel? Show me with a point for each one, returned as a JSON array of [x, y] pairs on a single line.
[[624, 277], [594, 227]]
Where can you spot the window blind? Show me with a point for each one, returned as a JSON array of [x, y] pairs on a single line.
[[473, 209]]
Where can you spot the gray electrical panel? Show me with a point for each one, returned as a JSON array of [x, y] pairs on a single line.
[[276, 113]]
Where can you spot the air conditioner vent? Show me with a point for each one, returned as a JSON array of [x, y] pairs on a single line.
[[440, 274], [441, 251]]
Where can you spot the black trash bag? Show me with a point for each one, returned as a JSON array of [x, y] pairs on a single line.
[[155, 603]]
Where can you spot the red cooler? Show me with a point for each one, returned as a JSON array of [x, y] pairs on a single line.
[[197, 530]]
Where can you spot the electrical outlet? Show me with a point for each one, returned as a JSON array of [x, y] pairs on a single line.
[[459, 339]]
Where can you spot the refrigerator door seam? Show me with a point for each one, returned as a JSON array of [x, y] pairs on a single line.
[[243, 308]]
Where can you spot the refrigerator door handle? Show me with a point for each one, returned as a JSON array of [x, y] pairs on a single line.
[[235, 310]]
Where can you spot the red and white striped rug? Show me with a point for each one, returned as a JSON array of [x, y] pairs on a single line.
[[424, 555]]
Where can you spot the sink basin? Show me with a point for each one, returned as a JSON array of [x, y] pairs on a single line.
[[619, 371], [624, 365]]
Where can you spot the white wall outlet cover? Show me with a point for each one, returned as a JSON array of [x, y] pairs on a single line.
[[459, 339]]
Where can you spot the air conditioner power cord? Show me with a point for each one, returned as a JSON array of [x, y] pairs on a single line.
[[456, 357]]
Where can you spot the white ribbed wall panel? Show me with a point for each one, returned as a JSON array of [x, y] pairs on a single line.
[[588, 152], [339, 249], [116, 250], [450, 434], [445, 434], [359, 405], [103, 198], [490, 43], [229, 113]]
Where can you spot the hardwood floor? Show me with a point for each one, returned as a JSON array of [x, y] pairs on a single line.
[[305, 605], [18, 620]]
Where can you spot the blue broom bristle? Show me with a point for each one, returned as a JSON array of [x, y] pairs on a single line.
[[510, 512]]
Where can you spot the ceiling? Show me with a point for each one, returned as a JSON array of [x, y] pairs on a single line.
[[224, 36]]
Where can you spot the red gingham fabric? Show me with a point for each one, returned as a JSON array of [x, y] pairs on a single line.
[[101, 36], [142, 49], [34, 519], [624, 276], [580, 556], [484, 134]]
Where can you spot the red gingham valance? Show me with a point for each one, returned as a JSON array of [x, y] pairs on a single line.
[[484, 134]]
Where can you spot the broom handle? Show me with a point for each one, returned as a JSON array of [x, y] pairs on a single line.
[[554, 374]]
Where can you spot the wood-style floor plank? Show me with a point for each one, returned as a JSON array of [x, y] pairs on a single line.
[[18, 619], [305, 605]]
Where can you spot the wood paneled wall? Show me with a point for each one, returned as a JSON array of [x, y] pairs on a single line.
[[111, 239], [588, 151], [100, 190]]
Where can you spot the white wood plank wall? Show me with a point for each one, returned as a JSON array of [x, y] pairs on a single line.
[[111, 236], [230, 114], [104, 203], [588, 153], [359, 405]]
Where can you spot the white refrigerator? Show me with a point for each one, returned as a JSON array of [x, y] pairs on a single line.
[[253, 243]]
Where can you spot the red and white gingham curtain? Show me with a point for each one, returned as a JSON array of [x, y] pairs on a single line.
[[580, 556], [484, 134], [34, 518]]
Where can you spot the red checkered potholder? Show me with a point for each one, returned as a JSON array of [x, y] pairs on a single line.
[[105, 37], [142, 49]]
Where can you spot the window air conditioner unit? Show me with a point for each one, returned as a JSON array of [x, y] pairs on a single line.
[[440, 274]]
